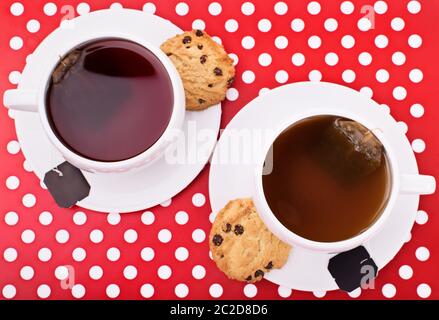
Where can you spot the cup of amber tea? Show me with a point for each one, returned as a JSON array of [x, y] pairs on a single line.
[[329, 179], [109, 102]]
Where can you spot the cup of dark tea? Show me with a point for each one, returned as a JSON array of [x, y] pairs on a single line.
[[108, 102], [329, 179]]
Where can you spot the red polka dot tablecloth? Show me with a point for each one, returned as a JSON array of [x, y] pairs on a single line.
[[385, 49]]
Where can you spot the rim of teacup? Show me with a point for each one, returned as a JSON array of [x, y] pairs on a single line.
[[153, 152], [294, 239]]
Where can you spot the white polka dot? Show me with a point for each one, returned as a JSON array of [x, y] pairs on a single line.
[[9, 291], [17, 9], [385, 107], [405, 272], [130, 272], [181, 290], [217, 39], [43, 291], [215, 8], [262, 91], [212, 215], [14, 77], [247, 77], [313, 7], [79, 218], [199, 199], [402, 126], [147, 290], [380, 7], [417, 110], [415, 41], [281, 76], [264, 25], [12, 183], [421, 217], [45, 218], [11, 218], [247, 8], [297, 25], [284, 292], [182, 9], [29, 200], [79, 254], [297, 59], [281, 42], [381, 41], [416, 75], [397, 24], [210, 255], [148, 218], [364, 24], [33, 26], [166, 203], [264, 60], [113, 218], [348, 76], [216, 290], [16, 43], [198, 272], [130, 236], [232, 94], [95, 272], [164, 235], [116, 6], [10, 255], [28, 236], [382, 75], [96, 236], [149, 7], [164, 272], [389, 290], [181, 254], [409, 237], [27, 273], [231, 25], [198, 235], [112, 291], [347, 7], [314, 42], [113, 254], [331, 24], [281, 8], [248, 42], [355, 293], [398, 58], [423, 290], [414, 7], [27, 166], [198, 24], [83, 8], [399, 93], [62, 236], [147, 254], [42, 185], [235, 58], [61, 272], [315, 75], [13, 147], [319, 294], [331, 59], [366, 91], [348, 41], [78, 291], [422, 254], [181, 217], [250, 290]]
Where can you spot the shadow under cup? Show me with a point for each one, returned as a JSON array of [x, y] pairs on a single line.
[[314, 192]]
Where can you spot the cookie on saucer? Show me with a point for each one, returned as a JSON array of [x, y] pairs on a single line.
[[204, 66], [242, 246]]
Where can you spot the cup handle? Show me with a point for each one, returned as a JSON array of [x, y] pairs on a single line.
[[417, 184], [21, 100]]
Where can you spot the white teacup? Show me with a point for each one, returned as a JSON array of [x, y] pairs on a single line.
[[400, 183], [34, 101]]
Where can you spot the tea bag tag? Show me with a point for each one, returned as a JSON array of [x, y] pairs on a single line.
[[352, 269], [66, 184]]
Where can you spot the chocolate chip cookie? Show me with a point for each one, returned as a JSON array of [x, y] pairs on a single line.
[[204, 66], [242, 246]]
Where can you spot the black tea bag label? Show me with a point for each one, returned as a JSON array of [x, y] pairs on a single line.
[[352, 268], [67, 185]]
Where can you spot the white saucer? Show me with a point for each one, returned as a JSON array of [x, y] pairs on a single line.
[[307, 270], [118, 192]]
